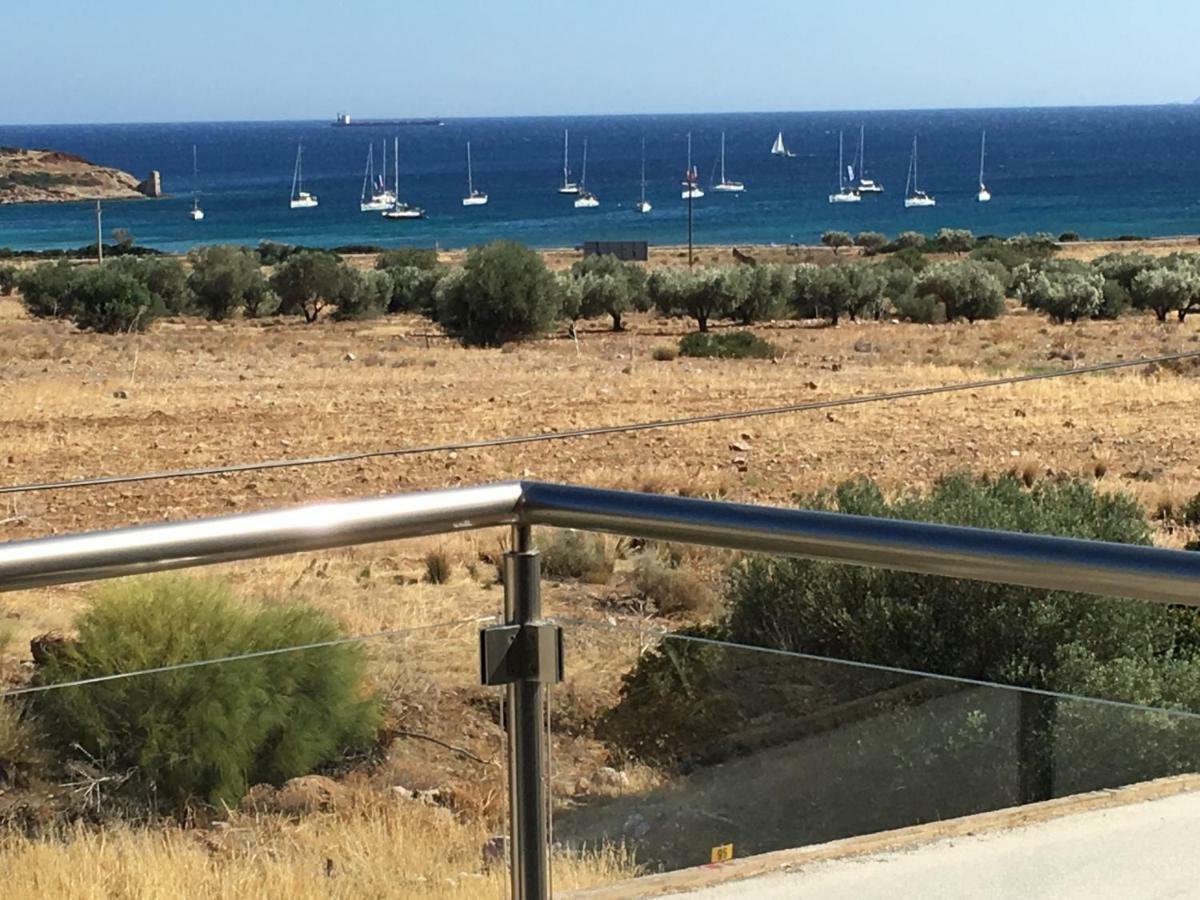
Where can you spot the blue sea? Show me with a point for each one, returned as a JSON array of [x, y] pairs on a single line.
[[1098, 171]]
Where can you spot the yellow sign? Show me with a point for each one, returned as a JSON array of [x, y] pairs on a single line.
[[723, 853]]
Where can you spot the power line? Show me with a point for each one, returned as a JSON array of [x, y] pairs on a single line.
[[254, 654], [596, 431]]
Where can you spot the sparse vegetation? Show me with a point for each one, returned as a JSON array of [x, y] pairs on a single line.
[[577, 554], [727, 345]]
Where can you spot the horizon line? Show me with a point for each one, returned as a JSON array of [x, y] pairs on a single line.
[[614, 115]]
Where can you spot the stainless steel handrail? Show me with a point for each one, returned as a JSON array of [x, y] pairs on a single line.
[[1143, 573]]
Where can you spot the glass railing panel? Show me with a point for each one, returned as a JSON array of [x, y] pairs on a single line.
[[710, 750], [304, 726]]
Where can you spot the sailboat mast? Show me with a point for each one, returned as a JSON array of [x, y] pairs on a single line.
[[722, 157], [470, 183], [566, 157], [383, 165], [841, 183], [643, 170], [396, 165], [583, 174], [296, 179], [916, 184], [862, 152], [982, 150]]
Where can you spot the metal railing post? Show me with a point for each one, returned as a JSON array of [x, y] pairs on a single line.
[[529, 842]]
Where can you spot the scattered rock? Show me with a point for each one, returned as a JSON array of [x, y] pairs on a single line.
[[45, 647], [1019, 413], [121, 394], [811, 385], [635, 827], [739, 447], [607, 776], [349, 357], [306, 794], [862, 345]]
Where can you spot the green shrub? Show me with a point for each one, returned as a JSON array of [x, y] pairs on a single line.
[[414, 290], [438, 566], [272, 253], [967, 289], [855, 290], [870, 241], [163, 277], [837, 240], [408, 258], [1066, 291], [224, 279], [923, 309], [909, 240], [46, 289], [954, 240], [310, 280], [206, 732], [1068, 237], [664, 353], [22, 753], [728, 345], [1190, 514], [363, 295], [577, 554], [108, 299], [505, 293], [8, 280], [610, 287], [1114, 300], [912, 258]]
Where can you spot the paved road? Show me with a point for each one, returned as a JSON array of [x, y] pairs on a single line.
[[1145, 850]]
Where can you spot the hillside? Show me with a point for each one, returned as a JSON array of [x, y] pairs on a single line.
[[30, 176]]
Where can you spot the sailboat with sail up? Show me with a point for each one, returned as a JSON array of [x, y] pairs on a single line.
[[584, 199], [301, 199], [913, 195], [691, 178], [984, 194], [474, 197], [375, 195], [865, 185], [643, 205], [778, 149], [844, 193], [568, 186], [399, 209], [196, 213], [724, 185]]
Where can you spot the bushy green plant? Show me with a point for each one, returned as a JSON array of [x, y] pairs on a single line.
[[610, 287], [107, 299], [767, 293], [505, 293], [163, 277], [1172, 285], [703, 295], [855, 290], [310, 280], [8, 280], [911, 258], [577, 554], [726, 345], [1048, 640], [909, 240], [967, 289], [46, 289], [1066, 291], [408, 258], [208, 732], [364, 295], [414, 289], [837, 240], [224, 279], [672, 589], [954, 240], [924, 309], [870, 241]]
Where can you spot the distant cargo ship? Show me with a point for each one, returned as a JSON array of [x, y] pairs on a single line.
[[343, 120]]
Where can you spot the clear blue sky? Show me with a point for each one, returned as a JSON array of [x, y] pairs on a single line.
[[136, 60]]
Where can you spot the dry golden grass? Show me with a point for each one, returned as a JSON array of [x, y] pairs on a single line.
[[377, 848]]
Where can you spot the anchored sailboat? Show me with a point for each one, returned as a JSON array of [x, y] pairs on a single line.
[[474, 197], [584, 200], [375, 194], [301, 199], [844, 193], [729, 187], [778, 149], [690, 183], [196, 212], [398, 209], [568, 186], [865, 185], [643, 205], [913, 195], [984, 194]]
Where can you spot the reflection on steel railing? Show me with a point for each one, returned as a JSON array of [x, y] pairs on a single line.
[[522, 653]]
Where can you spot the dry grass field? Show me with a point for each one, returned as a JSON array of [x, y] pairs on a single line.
[[192, 393]]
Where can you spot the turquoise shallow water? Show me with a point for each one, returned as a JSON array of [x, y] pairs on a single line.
[[1098, 171]]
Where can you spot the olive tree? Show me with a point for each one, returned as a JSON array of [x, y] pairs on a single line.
[[309, 281], [505, 293], [954, 240], [610, 287], [837, 240], [224, 279], [1164, 289], [967, 289], [1065, 294]]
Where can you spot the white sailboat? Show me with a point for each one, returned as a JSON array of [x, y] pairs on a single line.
[[474, 197], [568, 186], [725, 186], [399, 209], [643, 205], [690, 183], [196, 213], [865, 185], [984, 194], [913, 195], [301, 199], [844, 193], [584, 199], [778, 149], [375, 194]]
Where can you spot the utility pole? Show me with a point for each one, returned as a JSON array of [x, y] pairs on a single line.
[[99, 235], [691, 187]]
